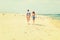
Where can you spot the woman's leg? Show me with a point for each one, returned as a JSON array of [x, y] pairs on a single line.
[[33, 20], [28, 19]]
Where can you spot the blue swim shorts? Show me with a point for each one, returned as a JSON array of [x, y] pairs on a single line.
[[33, 17]]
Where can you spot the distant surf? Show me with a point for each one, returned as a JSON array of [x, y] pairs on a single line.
[[55, 16]]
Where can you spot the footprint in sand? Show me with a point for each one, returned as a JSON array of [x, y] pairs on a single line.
[[47, 32], [15, 15], [3, 14], [41, 39], [37, 28], [13, 39], [25, 32]]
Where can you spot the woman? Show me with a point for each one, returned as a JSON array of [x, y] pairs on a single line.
[[33, 17]]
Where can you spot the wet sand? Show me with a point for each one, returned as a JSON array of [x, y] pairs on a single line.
[[15, 27]]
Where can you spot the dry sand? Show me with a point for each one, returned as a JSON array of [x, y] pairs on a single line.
[[15, 27]]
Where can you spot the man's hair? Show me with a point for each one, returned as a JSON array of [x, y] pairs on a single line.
[[28, 10]]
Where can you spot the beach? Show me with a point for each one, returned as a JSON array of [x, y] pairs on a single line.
[[15, 27]]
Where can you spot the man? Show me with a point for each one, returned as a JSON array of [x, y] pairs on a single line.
[[28, 16]]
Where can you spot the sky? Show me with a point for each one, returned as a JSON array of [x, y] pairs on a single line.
[[39, 6]]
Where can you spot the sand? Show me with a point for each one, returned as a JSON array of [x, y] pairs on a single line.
[[15, 27]]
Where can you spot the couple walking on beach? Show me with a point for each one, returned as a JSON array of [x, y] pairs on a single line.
[[28, 15]]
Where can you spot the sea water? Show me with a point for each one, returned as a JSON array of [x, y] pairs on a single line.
[[55, 16]]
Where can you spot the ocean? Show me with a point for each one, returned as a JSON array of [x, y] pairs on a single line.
[[55, 16]]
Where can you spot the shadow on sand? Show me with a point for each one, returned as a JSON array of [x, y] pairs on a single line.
[[39, 24]]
